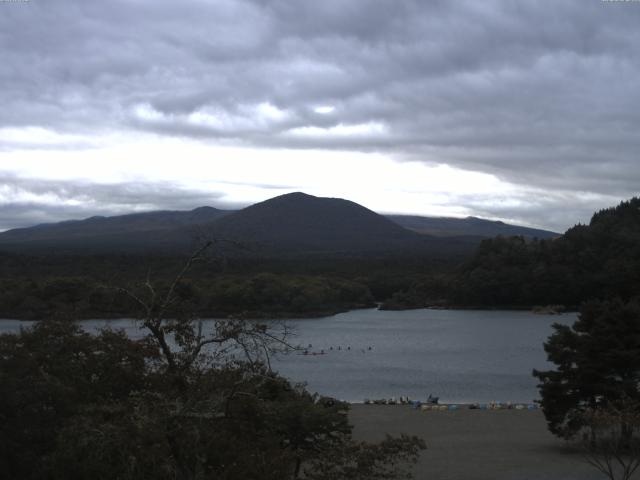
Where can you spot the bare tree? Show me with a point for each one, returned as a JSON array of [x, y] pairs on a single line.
[[611, 438], [217, 386], [180, 335], [189, 353]]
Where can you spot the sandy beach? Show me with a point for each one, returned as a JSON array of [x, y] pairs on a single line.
[[476, 444]]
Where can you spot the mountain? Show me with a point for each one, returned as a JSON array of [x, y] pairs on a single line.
[[451, 227], [298, 222], [123, 232], [290, 224]]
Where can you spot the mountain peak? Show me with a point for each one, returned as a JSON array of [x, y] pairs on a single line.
[[204, 209], [291, 198], [293, 195], [301, 222]]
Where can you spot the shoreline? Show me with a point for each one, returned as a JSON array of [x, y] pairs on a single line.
[[313, 315], [453, 406]]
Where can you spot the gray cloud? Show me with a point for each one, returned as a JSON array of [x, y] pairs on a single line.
[[536, 208], [26, 202], [541, 94]]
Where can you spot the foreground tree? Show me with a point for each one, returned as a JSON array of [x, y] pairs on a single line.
[[597, 362], [183, 401], [53, 373], [611, 438]]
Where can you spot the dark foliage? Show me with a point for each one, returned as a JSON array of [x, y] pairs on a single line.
[[611, 438], [49, 375], [597, 361], [71, 409], [599, 260], [182, 403], [75, 286], [258, 295], [424, 291]]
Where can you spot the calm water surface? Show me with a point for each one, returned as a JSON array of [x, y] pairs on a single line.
[[459, 355]]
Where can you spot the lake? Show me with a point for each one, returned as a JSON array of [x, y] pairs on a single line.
[[458, 355]]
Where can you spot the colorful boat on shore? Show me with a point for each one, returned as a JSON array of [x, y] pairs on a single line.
[[448, 407]]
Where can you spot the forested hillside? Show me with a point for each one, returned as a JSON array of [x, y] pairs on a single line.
[[599, 260]]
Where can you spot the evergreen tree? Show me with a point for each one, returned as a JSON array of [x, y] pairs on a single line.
[[597, 361]]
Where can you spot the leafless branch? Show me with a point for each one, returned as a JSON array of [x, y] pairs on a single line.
[[195, 257]]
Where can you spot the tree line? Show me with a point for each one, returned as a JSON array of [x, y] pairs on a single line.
[[260, 295], [600, 260]]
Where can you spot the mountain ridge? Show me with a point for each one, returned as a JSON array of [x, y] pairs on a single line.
[[300, 222], [290, 223], [452, 226]]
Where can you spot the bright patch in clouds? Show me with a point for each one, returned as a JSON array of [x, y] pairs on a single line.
[[241, 176], [246, 117], [371, 129], [270, 112], [147, 112], [324, 109], [38, 137]]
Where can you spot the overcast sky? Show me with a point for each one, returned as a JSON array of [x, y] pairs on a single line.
[[524, 110]]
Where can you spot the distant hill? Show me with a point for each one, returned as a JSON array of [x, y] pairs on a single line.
[[137, 231], [451, 227], [291, 224]]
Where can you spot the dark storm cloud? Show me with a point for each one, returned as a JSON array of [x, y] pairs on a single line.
[[543, 94], [27, 202]]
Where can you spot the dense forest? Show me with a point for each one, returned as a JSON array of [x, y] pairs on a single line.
[[595, 261], [89, 286], [598, 260], [251, 296]]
